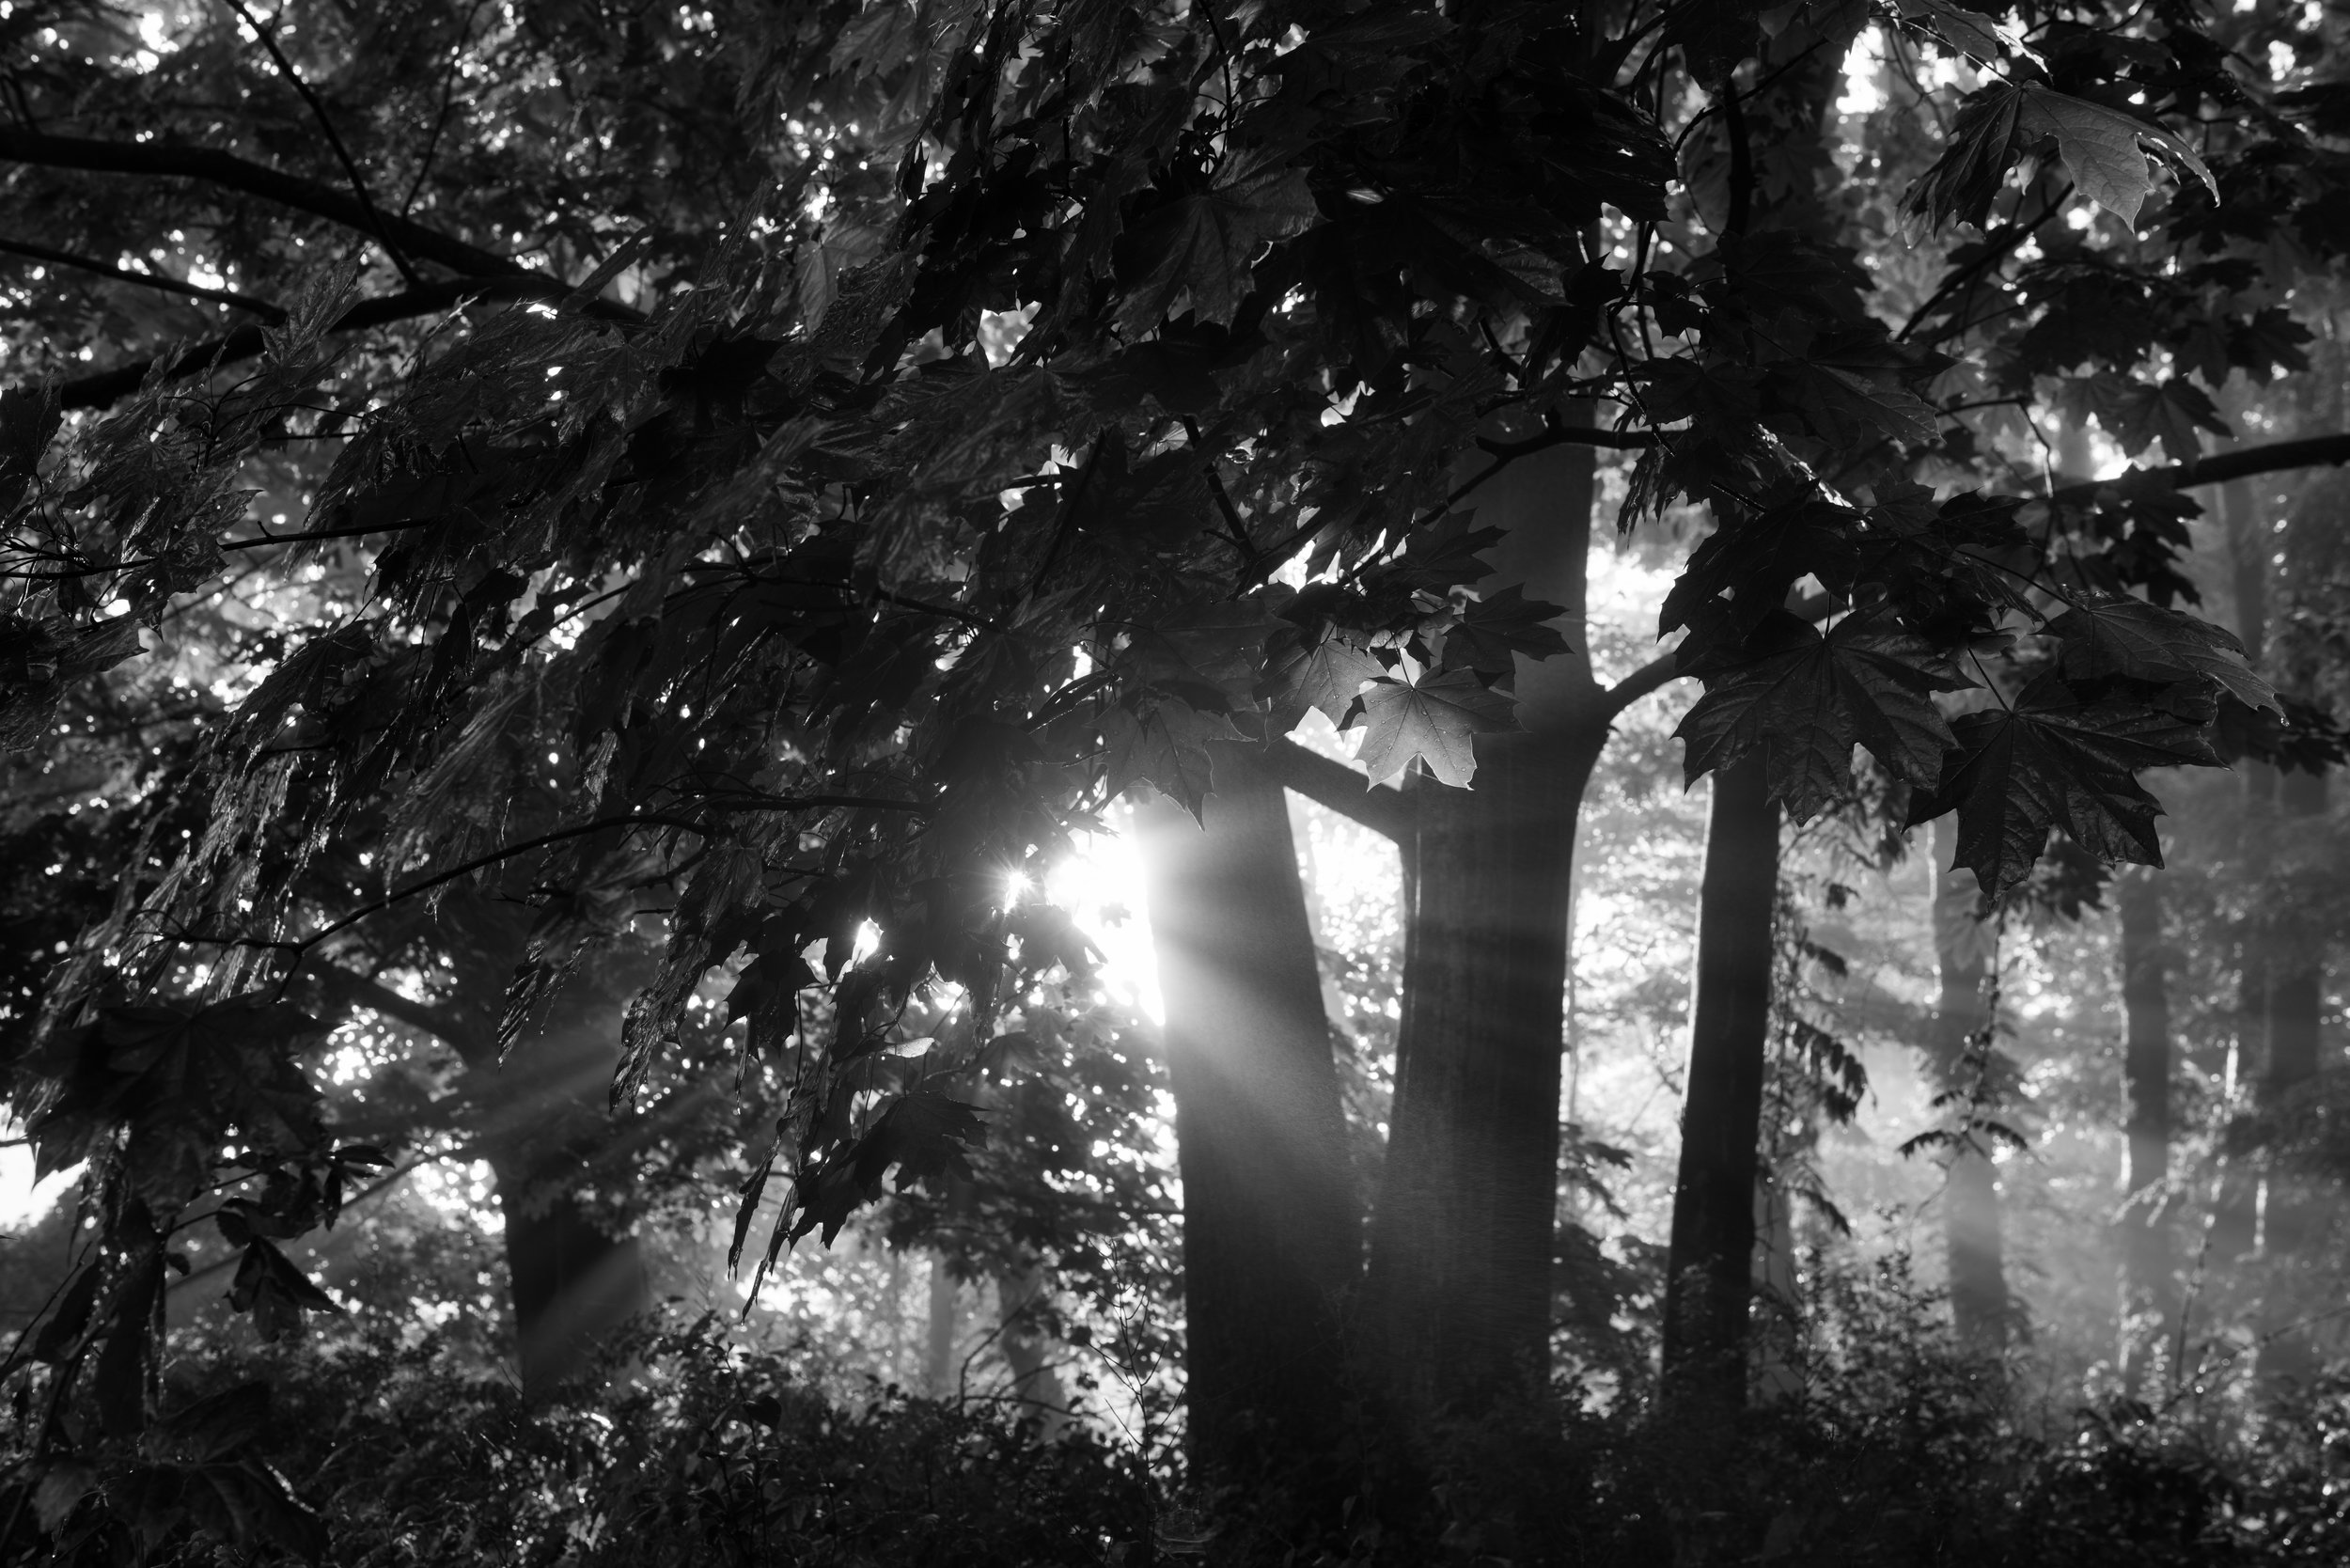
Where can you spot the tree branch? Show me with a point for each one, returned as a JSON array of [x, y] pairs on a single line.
[[109, 386], [1658, 673], [1331, 783], [2310, 452], [350, 169], [1569, 435], [352, 989], [231, 172], [262, 308]]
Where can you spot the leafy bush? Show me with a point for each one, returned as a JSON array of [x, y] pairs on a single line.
[[699, 1452], [1898, 1452]]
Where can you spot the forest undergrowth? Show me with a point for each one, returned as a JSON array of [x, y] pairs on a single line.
[[1890, 1447]]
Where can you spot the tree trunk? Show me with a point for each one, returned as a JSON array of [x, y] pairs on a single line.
[[1272, 1233], [1710, 1261], [2149, 1305], [574, 1274], [574, 1281], [574, 1277], [1970, 1198], [2292, 1213], [1777, 1311], [2234, 1225], [1459, 1288], [1037, 1394], [941, 1375]]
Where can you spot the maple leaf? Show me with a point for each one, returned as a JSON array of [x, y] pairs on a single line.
[[1199, 247], [1436, 719], [1969, 32], [1327, 675], [1754, 561], [1714, 36], [2130, 637], [1493, 631], [1962, 184], [1709, 394], [2105, 150], [1806, 706], [2265, 344], [922, 1134], [1165, 748], [2138, 415], [2053, 761], [1446, 555], [1845, 410], [28, 418]]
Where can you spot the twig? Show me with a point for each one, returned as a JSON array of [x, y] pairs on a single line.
[[334, 139], [262, 308]]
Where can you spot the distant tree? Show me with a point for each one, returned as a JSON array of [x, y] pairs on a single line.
[[832, 453]]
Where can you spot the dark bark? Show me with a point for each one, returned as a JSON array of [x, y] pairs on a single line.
[[2296, 984], [1963, 1064], [2293, 1209], [1271, 1228], [576, 1272], [2234, 1228], [2274, 457], [2149, 1305], [106, 387], [227, 172], [575, 1275], [1459, 1286], [574, 1282], [1710, 1261], [1459, 1276]]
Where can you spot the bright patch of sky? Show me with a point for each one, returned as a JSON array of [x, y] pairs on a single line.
[[23, 1201], [1861, 63], [1102, 888]]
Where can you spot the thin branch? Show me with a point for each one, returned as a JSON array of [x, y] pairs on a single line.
[[1655, 675], [1665, 668], [440, 119], [373, 1189], [353, 989], [262, 308], [1223, 500], [1996, 250], [2316, 451], [746, 801], [314, 536], [334, 139], [111, 386], [231, 172], [1569, 435], [1328, 782]]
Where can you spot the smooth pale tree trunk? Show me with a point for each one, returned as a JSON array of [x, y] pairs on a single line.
[[1710, 1261], [941, 1376], [2149, 1305], [1272, 1234], [2234, 1225], [1970, 1197], [1037, 1394], [1459, 1285]]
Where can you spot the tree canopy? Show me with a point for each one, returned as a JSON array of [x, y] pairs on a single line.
[[648, 494]]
